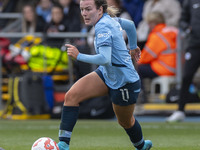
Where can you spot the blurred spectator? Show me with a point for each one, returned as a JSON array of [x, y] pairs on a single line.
[[32, 22], [6, 6], [171, 10], [74, 23], [134, 8], [56, 25], [57, 20], [190, 24], [158, 57], [72, 15], [44, 9]]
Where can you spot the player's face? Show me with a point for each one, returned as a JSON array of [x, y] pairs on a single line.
[[89, 12]]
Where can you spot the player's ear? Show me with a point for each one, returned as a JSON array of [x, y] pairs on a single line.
[[100, 10]]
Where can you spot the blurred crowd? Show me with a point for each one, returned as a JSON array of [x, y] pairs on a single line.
[[56, 16], [64, 15], [154, 20]]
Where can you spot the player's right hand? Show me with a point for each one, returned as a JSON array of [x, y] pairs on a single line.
[[72, 51]]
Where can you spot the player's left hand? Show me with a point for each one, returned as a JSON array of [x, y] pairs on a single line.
[[135, 54], [72, 51]]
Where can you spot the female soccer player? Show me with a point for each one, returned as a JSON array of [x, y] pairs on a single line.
[[115, 75]]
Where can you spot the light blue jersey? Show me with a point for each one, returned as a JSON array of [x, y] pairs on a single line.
[[111, 52], [120, 71]]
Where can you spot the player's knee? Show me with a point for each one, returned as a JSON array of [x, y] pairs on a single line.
[[70, 99]]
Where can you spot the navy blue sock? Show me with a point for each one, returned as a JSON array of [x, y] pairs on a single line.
[[135, 135], [68, 121]]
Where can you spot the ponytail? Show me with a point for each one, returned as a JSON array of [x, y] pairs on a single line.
[[112, 11]]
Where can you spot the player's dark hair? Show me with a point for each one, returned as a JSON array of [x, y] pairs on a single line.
[[110, 10]]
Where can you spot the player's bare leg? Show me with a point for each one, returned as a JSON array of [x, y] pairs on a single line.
[[132, 127], [87, 87]]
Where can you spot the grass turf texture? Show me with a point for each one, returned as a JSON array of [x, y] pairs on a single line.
[[99, 135]]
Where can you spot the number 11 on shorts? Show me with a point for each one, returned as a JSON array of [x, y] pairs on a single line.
[[125, 94]]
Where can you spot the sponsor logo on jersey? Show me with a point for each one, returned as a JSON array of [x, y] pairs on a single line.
[[100, 35]]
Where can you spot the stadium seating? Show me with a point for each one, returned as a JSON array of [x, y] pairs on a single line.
[[163, 83]]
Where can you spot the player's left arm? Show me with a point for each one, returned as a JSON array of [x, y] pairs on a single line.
[[130, 29], [135, 54]]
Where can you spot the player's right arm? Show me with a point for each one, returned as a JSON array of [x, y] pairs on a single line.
[[103, 58]]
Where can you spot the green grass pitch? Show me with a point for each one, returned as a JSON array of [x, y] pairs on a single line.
[[99, 135]]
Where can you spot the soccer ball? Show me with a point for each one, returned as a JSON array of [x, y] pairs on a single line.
[[44, 143]]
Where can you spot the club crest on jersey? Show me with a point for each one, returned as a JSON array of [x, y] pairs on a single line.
[[100, 35]]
